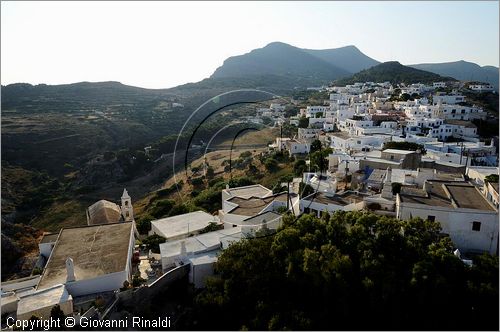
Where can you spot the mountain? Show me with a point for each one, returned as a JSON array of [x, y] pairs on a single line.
[[349, 58], [462, 70], [393, 72], [281, 60]]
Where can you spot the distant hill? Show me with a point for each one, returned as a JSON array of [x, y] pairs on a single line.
[[85, 93], [349, 58], [462, 70], [281, 60], [393, 72]]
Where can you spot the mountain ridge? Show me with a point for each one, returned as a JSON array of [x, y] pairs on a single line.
[[394, 72]]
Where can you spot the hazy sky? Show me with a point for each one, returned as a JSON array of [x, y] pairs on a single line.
[[163, 44]]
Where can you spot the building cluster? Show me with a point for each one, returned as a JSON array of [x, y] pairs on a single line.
[[446, 179], [373, 166]]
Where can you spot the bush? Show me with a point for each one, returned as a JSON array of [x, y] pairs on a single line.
[[143, 223], [271, 165], [396, 188], [153, 242], [245, 154], [161, 208], [196, 182], [492, 178], [137, 281]]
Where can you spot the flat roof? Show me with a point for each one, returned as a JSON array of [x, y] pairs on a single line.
[[258, 220], [441, 194], [256, 190], [49, 238], [468, 197], [199, 243], [397, 151], [341, 199], [463, 123], [210, 257], [95, 250], [184, 224], [42, 299], [254, 205], [340, 134]]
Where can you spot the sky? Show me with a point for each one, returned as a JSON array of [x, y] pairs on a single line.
[[164, 44]]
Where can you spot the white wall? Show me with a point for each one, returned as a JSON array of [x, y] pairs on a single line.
[[103, 283], [458, 224]]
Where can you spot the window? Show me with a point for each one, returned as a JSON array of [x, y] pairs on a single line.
[[476, 226], [126, 203], [127, 214], [431, 218]]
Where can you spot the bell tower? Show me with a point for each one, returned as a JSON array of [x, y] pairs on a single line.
[[127, 209]]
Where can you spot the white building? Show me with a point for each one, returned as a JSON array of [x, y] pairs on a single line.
[[470, 220], [182, 226], [448, 99], [320, 202], [481, 87], [436, 85], [312, 111], [106, 212], [200, 252], [90, 259], [40, 303], [298, 147]]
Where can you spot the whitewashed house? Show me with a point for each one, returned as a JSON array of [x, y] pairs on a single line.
[[463, 212]]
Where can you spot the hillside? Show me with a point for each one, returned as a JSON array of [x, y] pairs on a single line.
[[393, 72], [280, 60], [462, 70], [349, 58]]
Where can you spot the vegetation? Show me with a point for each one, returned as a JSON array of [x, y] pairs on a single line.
[[299, 167], [396, 188], [393, 72], [303, 122], [395, 274], [493, 178], [212, 226], [153, 242], [319, 159], [404, 146]]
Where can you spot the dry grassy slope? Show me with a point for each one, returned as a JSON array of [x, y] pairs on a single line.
[[215, 160], [68, 214]]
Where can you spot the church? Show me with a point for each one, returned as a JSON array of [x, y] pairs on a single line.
[[106, 212]]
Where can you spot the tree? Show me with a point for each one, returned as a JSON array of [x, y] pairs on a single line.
[[305, 190], [315, 146], [396, 188], [153, 242], [303, 122], [210, 172], [271, 165], [58, 315], [299, 167], [351, 265], [143, 223], [319, 159], [492, 178]]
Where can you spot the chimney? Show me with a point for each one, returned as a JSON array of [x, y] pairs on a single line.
[[183, 248], [70, 270]]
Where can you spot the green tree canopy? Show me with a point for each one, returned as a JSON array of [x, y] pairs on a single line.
[[349, 271], [303, 122], [404, 146]]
